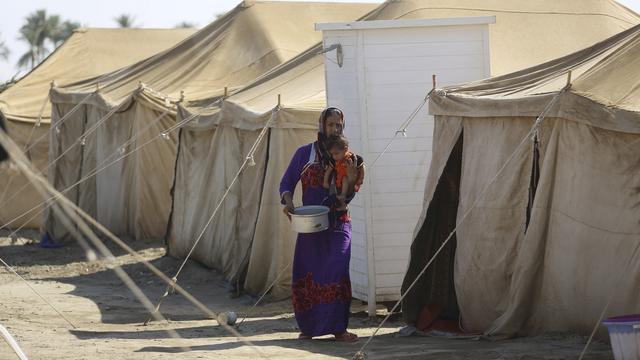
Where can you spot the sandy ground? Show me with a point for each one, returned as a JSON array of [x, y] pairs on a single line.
[[108, 318]]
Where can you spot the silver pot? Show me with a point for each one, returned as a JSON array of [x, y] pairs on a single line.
[[310, 219]]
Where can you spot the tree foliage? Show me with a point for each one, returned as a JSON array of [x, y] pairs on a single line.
[[125, 21], [42, 31], [4, 50]]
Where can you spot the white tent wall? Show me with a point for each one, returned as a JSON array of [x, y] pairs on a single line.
[[208, 162], [580, 249], [130, 196], [133, 194], [17, 197], [386, 74], [558, 275], [113, 184], [153, 172], [583, 232], [488, 254], [227, 54], [274, 241], [25, 105], [249, 240], [67, 169]]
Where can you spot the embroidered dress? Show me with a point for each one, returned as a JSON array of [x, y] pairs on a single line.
[[321, 288]]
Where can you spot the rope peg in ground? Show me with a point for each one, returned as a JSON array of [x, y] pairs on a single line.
[[264, 294], [227, 318], [360, 355]]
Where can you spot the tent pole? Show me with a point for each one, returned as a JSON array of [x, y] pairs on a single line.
[[12, 343]]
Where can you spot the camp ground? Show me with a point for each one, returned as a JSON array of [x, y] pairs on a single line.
[[498, 217]]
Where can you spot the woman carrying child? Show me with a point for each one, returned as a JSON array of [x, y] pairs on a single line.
[[321, 288]]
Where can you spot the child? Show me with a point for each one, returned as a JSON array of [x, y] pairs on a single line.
[[338, 148]]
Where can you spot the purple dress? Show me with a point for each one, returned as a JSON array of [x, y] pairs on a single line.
[[321, 288]]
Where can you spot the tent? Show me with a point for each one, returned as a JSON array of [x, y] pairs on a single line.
[[250, 241], [542, 244], [89, 52], [301, 84], [136, 103]]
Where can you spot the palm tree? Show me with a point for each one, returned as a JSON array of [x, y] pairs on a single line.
[[37, 29], [63, 32], [4, 50], [185, 25], [125, 21]]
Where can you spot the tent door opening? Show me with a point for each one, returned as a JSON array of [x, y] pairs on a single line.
[[435, 294]]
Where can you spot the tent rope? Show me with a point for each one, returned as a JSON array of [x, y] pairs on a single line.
[[80, 140], [151, 267], [13, 344], [62, 120], [45, 101], [402, 129], [12, 270], [122, 151], [360, 353], [94, 171], [250, 311], [12, 177], [249, 160], [609, 299], [72, 211], [68, 213], [28, 145]]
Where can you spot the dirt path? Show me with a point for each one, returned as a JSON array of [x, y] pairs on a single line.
[[108, 318]]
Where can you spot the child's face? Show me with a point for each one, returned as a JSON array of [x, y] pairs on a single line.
[[337, 153]]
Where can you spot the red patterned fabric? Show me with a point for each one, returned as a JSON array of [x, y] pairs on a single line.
[[308, 293], [312, 176]]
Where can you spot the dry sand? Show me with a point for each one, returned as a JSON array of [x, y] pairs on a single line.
[[108, 318]]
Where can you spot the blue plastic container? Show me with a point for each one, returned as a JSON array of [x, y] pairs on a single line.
[[624, 332]]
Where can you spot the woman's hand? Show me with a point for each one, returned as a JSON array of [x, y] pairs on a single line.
[[288, 204], [352, 171]]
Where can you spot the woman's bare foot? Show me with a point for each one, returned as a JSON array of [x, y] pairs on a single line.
[[303, 337], [347, 337]]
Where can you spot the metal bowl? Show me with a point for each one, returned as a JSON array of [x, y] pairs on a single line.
[[310, 219]]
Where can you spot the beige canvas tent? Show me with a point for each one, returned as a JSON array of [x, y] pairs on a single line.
[[132, 197], [89, 52], [301, 84], [251, 231], [545, 245]]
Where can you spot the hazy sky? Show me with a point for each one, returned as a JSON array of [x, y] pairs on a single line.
[[100, 13]]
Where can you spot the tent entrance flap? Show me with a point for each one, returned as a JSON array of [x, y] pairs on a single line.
[[437, 285], [535, 178]]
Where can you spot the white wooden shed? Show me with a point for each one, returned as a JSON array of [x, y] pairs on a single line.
[[378, 73]]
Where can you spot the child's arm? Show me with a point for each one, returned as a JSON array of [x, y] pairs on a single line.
[[345, 188]]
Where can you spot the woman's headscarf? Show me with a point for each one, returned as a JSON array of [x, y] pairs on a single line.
[[322, 150]]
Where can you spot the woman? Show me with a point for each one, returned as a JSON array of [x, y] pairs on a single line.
[[321, 286]]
